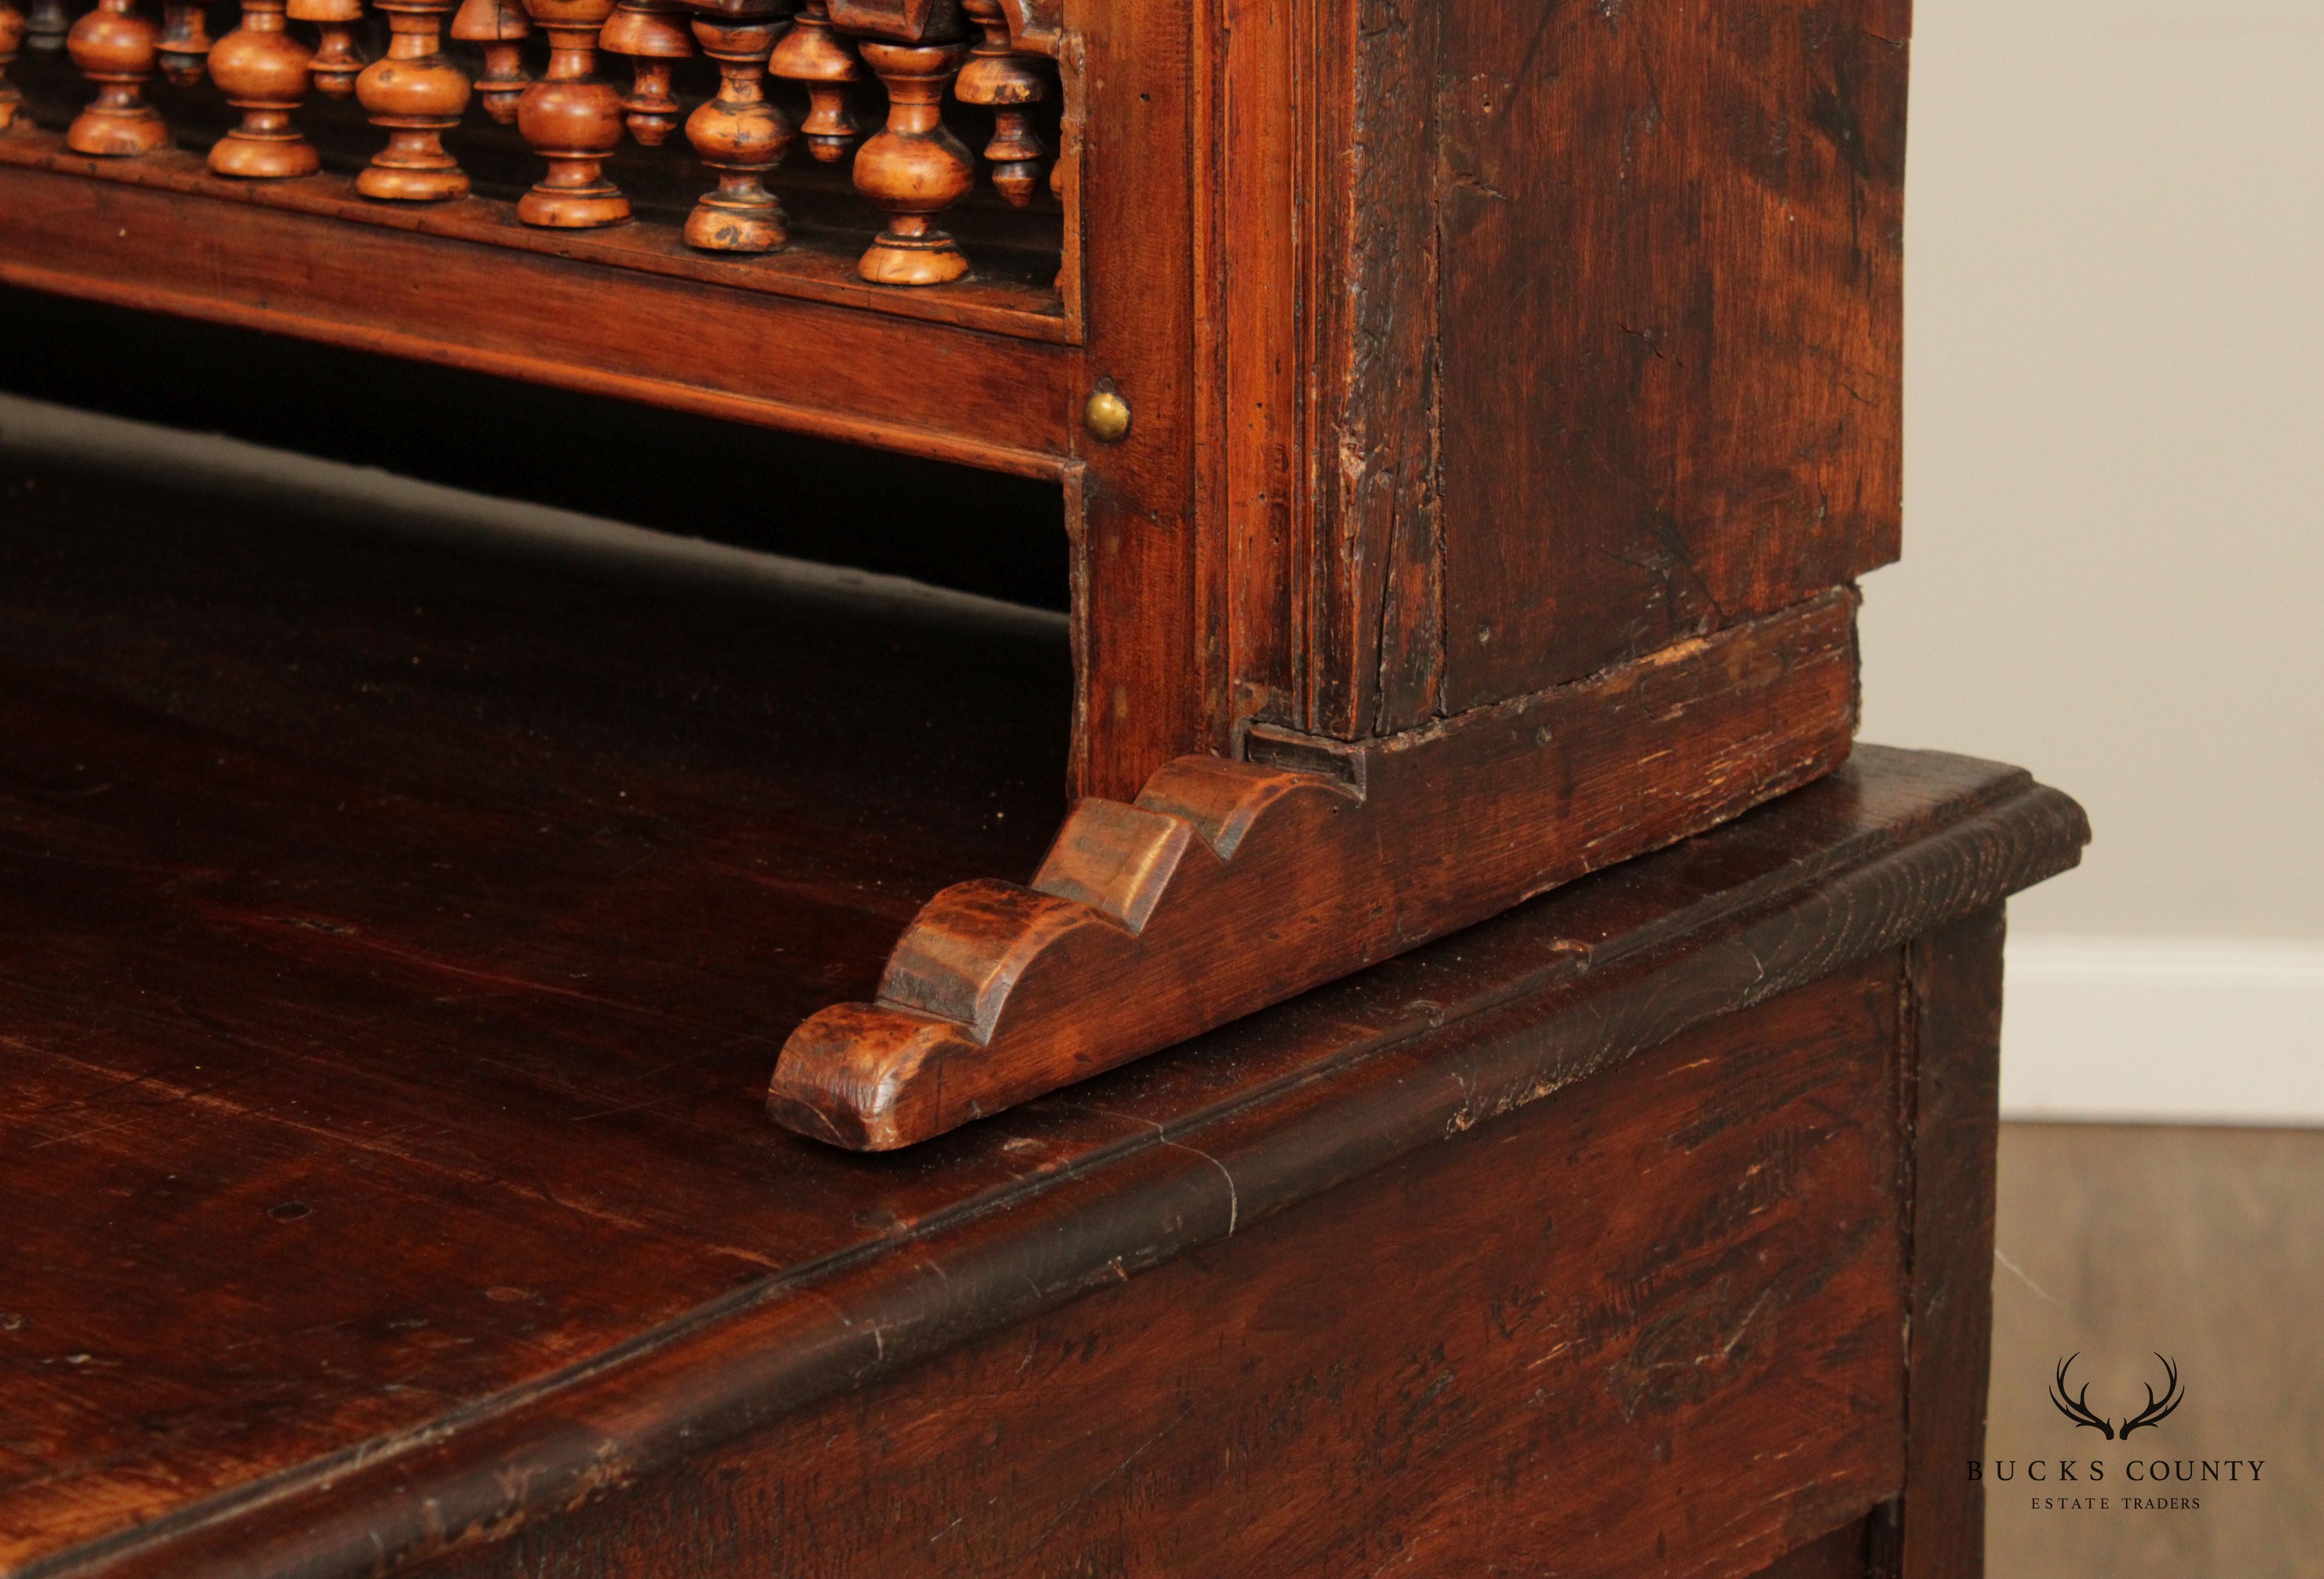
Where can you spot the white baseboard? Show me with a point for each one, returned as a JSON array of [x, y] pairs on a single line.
[[2134, 1030]]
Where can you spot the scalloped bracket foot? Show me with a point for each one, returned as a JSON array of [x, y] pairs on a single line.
[[1229, 886]]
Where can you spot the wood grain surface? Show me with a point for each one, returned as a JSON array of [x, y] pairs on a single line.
[[395, 937], [1673, 342], [1949, 1088], [991, 399], [1462, 362], [1229, 886], [1650, 1324]]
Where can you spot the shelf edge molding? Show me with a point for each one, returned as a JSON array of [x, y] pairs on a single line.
[[1229, 886]]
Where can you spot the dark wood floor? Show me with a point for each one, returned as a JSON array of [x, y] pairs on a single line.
[[2205, 1244]]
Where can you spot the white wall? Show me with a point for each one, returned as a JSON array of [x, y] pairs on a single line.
[[2115, 518]]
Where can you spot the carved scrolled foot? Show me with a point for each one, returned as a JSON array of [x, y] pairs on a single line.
[[1229, 886]]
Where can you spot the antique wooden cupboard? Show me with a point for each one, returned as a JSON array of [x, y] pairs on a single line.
[[1468, 420], [1471, 418]]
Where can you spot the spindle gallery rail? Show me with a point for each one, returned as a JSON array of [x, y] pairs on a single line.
[[865, 85]]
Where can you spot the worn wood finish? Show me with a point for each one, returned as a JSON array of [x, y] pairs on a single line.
[[739, 134], [1838, 1556], [1674, 340], [1392, 369], [1229, 886], [991, 399], [1581, 1373], [1581, 337], [1951, 1089], [415, 94], [819, 268], [395, 1026]]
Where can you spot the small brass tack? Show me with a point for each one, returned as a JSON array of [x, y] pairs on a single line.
[[1107, 416]]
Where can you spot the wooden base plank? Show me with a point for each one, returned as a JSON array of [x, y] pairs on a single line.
[[466, 296], [1229, 886]]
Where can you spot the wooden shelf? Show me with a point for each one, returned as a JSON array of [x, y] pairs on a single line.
[[988, 377], [1008, 297]]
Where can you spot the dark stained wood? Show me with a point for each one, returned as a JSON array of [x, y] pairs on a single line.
[[401, 797], [395, 1026], [1649, 1325], [1673, 345], [1465, 361], [1582, 336], [1440, 356], [1378, 544], [1229, 886], [1950, 1094], [1148, 583], [1838, 1556]]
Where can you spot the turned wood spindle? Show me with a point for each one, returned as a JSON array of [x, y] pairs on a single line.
[[814, 56], [185, 45], [261, 69], [740, 136], [415, 94], [1008, 84], [12, 37], [334, 65], [45, 26], [499, 27], [572, 117], [118, 50], [913, 169], [651, 34]]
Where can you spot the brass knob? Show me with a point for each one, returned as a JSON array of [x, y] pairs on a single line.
[[1107, 416]]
